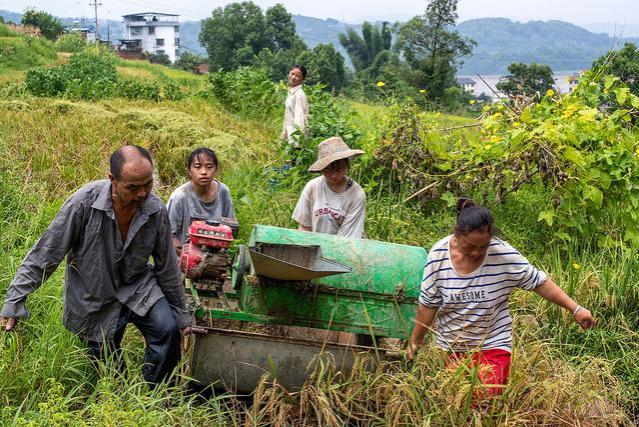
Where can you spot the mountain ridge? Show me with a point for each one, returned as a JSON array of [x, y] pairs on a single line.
[[562, 45]]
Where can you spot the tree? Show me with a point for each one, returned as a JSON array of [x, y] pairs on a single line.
[[281, 30], [530, 80], [49, 26], [239, 34], [433, 49], [189, 61], [363, 50], [325, 65], [233, 35], [623, 64]]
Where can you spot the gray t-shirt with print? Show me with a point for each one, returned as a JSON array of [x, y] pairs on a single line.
[[184, 203]]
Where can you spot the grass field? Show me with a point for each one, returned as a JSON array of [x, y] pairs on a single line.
[[560, 375]]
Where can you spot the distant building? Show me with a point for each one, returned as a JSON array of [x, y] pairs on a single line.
[[86, 31], [151, 32], [573, 80], [467, 84]]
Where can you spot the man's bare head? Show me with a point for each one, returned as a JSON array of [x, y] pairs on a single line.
[[126, 154], [131, 175]]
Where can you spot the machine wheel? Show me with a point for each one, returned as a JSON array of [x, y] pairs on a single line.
[[241, 266]]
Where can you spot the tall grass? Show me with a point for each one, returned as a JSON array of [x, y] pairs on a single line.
[[559, 375]]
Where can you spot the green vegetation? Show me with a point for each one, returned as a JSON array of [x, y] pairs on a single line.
[[239, 33], [18, 53], [624, 64], [53, 145], [531, 80], [432, 49], [71, 43], [49, 26]]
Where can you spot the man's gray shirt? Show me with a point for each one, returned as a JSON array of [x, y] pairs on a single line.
[[184, 203], [102, 272]]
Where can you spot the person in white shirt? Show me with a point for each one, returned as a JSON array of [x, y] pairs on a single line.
[[332, 203], [296, 107], [468, 278]]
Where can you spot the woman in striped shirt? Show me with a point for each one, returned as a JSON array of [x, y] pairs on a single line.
[[467, 281]]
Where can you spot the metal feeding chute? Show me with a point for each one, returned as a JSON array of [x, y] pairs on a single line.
[[293, 262]]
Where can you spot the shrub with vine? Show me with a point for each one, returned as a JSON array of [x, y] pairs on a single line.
[[581, 148]]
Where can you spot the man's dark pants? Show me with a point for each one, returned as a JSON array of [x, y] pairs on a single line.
[[162, 338]]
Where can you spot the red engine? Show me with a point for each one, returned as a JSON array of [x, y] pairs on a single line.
[[205, 255]]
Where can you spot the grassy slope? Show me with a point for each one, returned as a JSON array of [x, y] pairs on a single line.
[[50, 147], [18, 54]]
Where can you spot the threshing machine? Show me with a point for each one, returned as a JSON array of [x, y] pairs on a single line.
[[268, 310]]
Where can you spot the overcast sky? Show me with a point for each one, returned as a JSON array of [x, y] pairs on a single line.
[[611, 12]]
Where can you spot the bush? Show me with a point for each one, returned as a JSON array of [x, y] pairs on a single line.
[[172, 92], [160, 58], [328, 116], [71, 42], [90, 74], [135, 89], [247, 91]]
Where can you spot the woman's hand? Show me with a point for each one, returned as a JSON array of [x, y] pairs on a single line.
[[411, 350], [584, 318]]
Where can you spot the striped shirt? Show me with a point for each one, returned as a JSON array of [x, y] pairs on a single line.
[[473, 308]]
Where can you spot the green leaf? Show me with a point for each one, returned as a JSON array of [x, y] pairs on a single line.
[[548, 216], [574, 156], [445, 166], [622, 94], [449, 198], [594, 194], [609, 81]]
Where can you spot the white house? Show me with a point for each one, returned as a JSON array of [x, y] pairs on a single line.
[[152, 32], [467, 84]]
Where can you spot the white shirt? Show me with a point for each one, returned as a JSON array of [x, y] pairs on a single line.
[[473, 308], [325, 211], [295, 114]]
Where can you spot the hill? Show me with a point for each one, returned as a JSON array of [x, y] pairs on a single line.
[[562, 45]]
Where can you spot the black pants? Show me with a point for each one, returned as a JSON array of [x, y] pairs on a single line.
[[162, 338]]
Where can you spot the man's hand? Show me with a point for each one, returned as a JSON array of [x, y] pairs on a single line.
[[193, 330], [8, 323], [584, 319]]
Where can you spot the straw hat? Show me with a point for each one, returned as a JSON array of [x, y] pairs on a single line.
[[332, 149]]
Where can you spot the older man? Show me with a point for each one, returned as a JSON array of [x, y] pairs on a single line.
[[108, 230]]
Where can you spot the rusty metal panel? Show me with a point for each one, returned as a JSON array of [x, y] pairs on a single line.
[[237, 360]]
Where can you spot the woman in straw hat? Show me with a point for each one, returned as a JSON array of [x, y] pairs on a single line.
[[332, 203]]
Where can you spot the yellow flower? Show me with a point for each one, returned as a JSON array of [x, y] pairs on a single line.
[[515, 124], [550, 92], [422, 91], [381, 84], [576, 266], [471, 102]]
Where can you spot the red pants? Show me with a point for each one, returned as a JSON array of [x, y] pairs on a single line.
[[494, 367]]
